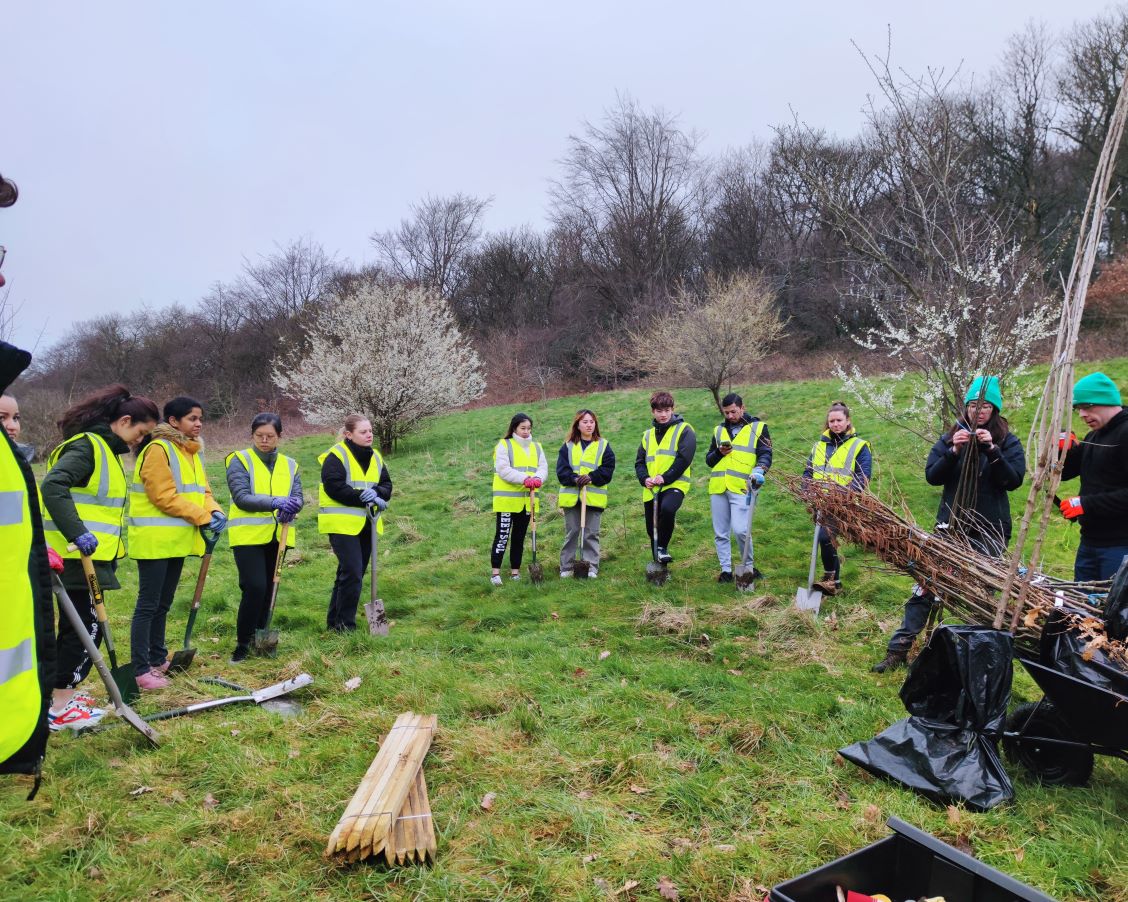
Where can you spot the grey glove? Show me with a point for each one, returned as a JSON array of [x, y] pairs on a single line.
[[379, 503], [369, 496]]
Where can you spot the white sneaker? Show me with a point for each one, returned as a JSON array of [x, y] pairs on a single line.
[[565, 574], [495, 579], [73, 716], [593, 573], [515, 576]]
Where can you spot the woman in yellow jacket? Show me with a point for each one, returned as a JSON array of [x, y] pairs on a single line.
[[169, 500]]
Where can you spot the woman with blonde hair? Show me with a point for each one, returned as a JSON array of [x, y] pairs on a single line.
[[584, 466]]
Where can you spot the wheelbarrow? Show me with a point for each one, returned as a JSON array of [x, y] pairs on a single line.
[[1057, 738]]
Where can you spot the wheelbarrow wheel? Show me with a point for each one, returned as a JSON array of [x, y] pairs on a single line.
[[1054, 765]]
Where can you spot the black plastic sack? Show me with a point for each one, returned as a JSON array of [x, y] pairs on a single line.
[[1063, 649], [956, 694], [1116, 605]]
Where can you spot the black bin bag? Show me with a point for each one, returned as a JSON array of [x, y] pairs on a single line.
[[1065, 650], [956, 694]]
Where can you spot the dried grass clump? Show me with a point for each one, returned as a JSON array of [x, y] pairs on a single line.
[[743, 612], [666, 620]]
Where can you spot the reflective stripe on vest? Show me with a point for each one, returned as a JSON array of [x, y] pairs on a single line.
[[259, 527], [334, 517], [840, 468], [100, 504], [21, 698], [153, 534], [660, 457], [584, 461], [513, 497], [733, 469]]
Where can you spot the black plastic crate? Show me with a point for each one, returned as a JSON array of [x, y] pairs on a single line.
[[907, 865]]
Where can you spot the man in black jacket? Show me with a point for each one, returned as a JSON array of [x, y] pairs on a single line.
[[1101, 461], [662, 466]]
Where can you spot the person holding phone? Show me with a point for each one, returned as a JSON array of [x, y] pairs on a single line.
[[740, 454]]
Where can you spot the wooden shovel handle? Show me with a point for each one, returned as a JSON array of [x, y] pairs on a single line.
[[282, 537], [583, 508], [92, 583]]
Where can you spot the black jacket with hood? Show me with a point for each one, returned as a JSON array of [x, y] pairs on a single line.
[[1101, 460], [687, 448]]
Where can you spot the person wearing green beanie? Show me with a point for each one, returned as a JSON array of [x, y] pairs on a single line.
[[1100, 460], [979, 457]]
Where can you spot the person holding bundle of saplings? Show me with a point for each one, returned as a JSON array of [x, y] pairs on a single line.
[[169, 500], [83, 497]]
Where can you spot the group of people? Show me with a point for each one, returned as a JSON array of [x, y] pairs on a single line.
[[739, 457]]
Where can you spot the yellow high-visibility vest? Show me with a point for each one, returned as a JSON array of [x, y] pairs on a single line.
[[660, 456], [100, 503], [584, 461], [260, 527], [21, 699], [840, 467], [334, 517], [513, 497], [733, 469], [153, 534]]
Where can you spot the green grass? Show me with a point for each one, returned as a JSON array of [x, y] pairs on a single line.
[[728, 723]]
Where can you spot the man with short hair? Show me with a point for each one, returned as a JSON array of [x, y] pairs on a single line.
[[662, 465], [740, 454], [1100, 459]]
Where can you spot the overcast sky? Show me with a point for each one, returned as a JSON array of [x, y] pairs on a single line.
[[157, 144]]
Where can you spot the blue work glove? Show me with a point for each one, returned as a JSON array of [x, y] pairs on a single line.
[[368, 496], [379, 503], [757, 476], [293, 505], [87, 544], [218, 522], [285, 515], [279, 502]]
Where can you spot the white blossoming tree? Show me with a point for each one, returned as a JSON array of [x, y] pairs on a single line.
[[389, 351]]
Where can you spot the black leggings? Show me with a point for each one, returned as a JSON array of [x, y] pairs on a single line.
[[829, 552], [72, 663], [353, 554], [256, 578], [510, 526], [669, 502]]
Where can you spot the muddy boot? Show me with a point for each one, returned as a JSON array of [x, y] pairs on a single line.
[[891, 661], [828, 585]]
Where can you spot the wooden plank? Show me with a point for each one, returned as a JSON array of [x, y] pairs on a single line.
[[353, 845]]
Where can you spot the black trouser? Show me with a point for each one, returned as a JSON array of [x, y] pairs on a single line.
[[353, 554], [156, 587], [668, 503], [256, 578], [73, 663], [511, 529], [829, 552]]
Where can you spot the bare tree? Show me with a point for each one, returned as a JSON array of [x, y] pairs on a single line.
[[431, 248], [732, 324]]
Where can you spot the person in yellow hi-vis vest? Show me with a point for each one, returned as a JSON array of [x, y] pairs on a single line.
[[520, 468], [266, 490], [738, 457], [84, 496], [842, 458], [27, 618], [662, 466], [353, 477], [585, 462], [169, 500]]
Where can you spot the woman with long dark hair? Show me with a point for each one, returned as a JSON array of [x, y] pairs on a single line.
[[265, 492], [520, 467], [169, 501], [585, 465], [353, 478], [979, 462], [83, 497]]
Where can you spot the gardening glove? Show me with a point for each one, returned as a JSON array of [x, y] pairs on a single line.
[[368, 496], [218, 522], [87, 544], [285, 515], [54, 561], [757, 476], [279, 503], [379, 503], [1067, 441], [1071, 508], [293, 506], [537, 483], [583, 480], [528, 483]]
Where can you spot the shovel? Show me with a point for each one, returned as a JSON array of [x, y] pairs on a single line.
[[810, 599], [374, 610], [580, 567], [123, 710], [743, 575], [182, 657], [266, 639], [656, 573], [258, 696], [536, 571], [124, 676]]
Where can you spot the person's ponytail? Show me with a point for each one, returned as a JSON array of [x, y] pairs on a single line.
[[105, 406]]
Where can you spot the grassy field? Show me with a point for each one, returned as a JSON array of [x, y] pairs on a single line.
[[619, 749]]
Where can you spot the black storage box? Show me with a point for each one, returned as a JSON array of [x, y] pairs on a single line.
[[907, 865]]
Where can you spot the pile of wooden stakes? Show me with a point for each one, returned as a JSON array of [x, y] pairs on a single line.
[[390, 814]]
